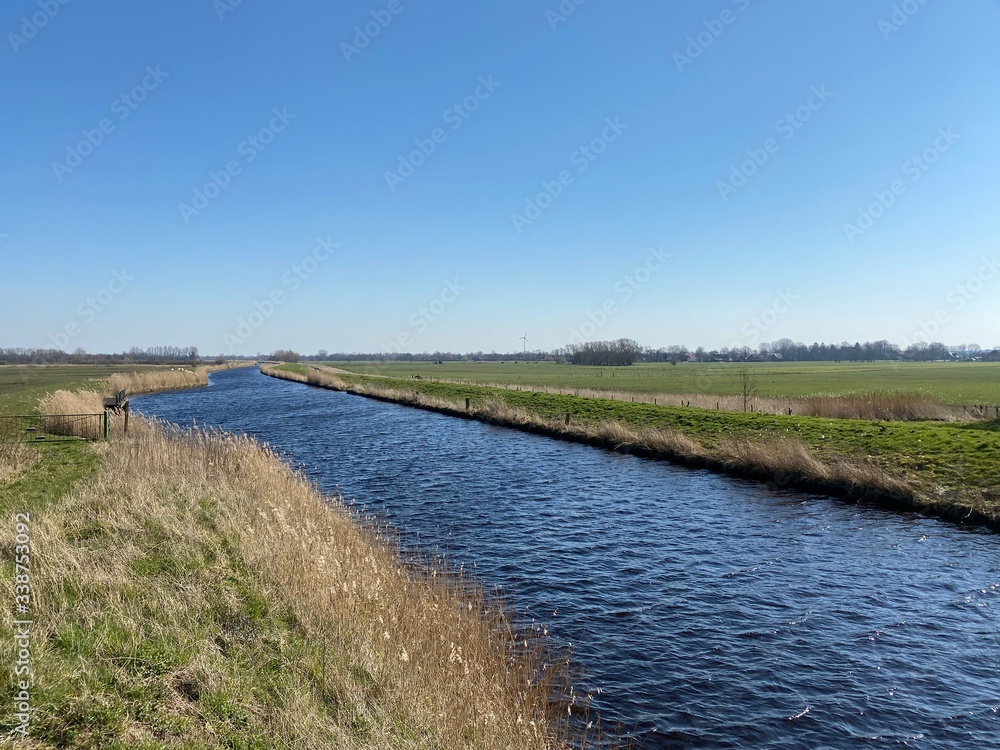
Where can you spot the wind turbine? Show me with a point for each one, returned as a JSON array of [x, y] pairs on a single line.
[[524, 338]]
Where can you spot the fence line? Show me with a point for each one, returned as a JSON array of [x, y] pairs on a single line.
[[52, 427]]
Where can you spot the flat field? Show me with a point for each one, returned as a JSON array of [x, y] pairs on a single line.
[[949, 382]]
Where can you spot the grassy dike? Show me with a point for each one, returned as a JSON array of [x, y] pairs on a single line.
[[945, 469], [190, 590]]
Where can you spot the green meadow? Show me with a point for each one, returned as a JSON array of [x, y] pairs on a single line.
[[950, 382]]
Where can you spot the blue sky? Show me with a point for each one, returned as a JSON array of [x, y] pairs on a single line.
[[813, 171]]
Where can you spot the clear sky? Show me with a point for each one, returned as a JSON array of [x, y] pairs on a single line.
[[445, 174]]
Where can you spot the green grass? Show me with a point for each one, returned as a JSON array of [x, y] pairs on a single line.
[[951, 382], [940, 456], [60, 466]]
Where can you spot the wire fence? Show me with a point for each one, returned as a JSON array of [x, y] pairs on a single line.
[[982, 411], [52, 427]]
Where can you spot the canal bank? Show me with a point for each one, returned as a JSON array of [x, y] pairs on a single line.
[[191, 588], [947, 471]]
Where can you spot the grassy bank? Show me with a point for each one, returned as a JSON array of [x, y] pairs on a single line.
[[190, 590], [947, 469]]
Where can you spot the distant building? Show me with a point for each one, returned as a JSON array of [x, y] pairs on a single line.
[[993, 356]]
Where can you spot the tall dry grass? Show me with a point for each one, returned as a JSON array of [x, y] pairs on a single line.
[[62, 402], [895, 406], [150, 381], [15, 457]]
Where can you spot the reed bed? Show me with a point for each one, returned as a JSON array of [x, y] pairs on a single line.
[[63, 402], [151, 381], [892, 406], [200, 573]]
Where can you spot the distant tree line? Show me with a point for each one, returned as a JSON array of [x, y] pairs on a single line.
[[622, 352], [152, 356], [870, 351]]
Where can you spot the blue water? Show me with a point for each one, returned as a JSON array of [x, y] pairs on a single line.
[[703, 611]]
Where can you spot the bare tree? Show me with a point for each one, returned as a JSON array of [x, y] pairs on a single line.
[[748, 385]]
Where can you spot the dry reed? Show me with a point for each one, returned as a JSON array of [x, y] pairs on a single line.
[[15, 457], [150, 381], [895, 406]]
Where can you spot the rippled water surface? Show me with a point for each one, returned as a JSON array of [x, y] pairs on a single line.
[[709, 611]]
